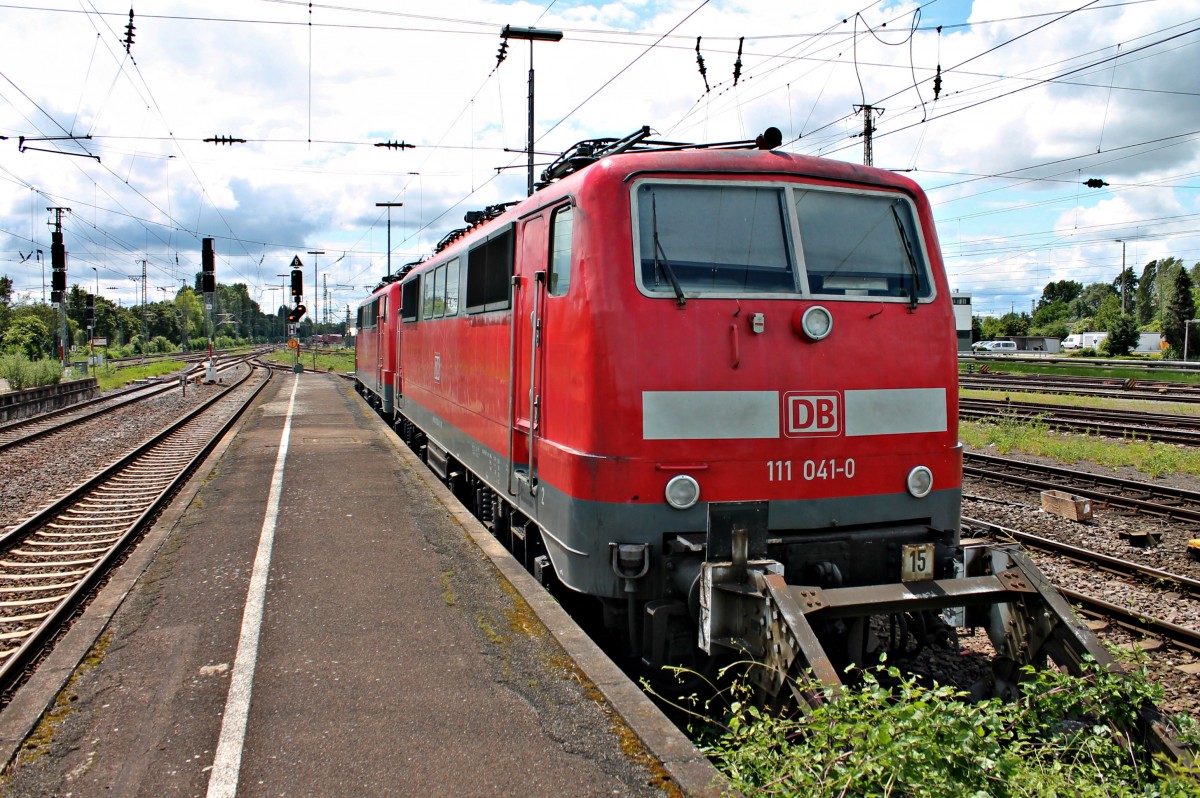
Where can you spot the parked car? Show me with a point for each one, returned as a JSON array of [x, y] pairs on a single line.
[[994, 346]]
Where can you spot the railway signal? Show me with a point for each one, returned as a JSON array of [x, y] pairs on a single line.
[[208, 275], [296, 314]]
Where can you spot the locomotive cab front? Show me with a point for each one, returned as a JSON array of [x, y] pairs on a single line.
[[778, 358]]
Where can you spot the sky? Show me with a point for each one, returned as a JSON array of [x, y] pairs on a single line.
[[1035, 98]]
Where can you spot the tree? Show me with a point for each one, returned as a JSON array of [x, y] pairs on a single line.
[[77, 306], [192, 309], [1179, 308], [1004, 326], [1051, 319], [1145, 304], [1107, 315], [1122, 335], [1126, 287], [1164, 283], [5, 303], [1063, 291], [1088, 302], [29, 336]]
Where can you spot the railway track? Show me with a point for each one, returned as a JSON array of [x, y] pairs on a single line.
[[1128, 618], [1163, 427], [1132, 496], [52, 561], [1112, 387], [27, 430]]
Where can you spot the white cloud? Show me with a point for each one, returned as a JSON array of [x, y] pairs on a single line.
[[243, 69]]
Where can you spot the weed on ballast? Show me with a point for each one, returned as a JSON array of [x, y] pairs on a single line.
[[1012, 435], [890, 735]]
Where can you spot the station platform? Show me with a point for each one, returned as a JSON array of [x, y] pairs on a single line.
[[315, 616]]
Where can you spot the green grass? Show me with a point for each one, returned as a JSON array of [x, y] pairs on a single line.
[[1097, 402], [1064, 735], [341, 360], [110, 377], [1084, 369], [1039, 438]]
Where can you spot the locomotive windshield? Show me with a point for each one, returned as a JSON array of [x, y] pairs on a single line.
[[718, 238]]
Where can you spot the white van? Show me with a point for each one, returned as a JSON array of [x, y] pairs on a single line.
[[1083, 340], [995, 346]]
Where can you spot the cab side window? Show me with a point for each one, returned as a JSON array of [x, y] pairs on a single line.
[[560, 250]]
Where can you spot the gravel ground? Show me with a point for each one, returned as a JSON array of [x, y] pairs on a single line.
[[34, 475], [1177, 670]]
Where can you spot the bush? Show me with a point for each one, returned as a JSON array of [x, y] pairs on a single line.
[[47, 372], [892, 736], [160, 344], [15, 369], [21, 373]]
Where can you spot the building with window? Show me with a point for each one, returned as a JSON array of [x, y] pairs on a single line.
[[962, 319]]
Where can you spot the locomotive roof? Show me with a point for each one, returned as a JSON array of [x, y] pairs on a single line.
[[684, 161]]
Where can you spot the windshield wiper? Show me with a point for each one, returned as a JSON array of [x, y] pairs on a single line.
[[665, 265], [912, 258]]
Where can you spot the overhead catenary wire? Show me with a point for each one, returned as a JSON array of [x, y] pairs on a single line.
[[751, 64]]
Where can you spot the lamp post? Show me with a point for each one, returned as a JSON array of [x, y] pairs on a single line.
[[316, 275], [271, 289], [316, 278], [389, 206], [532, 35]]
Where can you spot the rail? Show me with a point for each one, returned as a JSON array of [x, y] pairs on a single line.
[[90, 527]]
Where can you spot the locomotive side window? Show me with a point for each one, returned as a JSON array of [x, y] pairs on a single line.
[[860, 245], [560, 250], [439, 292], [451, 291], [427, 306], [714, 237], [410, 299], [489, 273]]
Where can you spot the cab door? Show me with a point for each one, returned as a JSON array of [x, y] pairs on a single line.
[[381, 342], [529, 291]]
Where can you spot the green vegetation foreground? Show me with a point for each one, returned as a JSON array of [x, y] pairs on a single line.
[[1065, 736]]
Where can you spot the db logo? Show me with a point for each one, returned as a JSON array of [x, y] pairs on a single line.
[[812, 414]]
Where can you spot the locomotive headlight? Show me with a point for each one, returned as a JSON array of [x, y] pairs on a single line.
[[815, 323], [920, 482], [682, 492]]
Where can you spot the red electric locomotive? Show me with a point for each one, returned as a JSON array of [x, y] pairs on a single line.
[[713, 388], [377, 348]]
